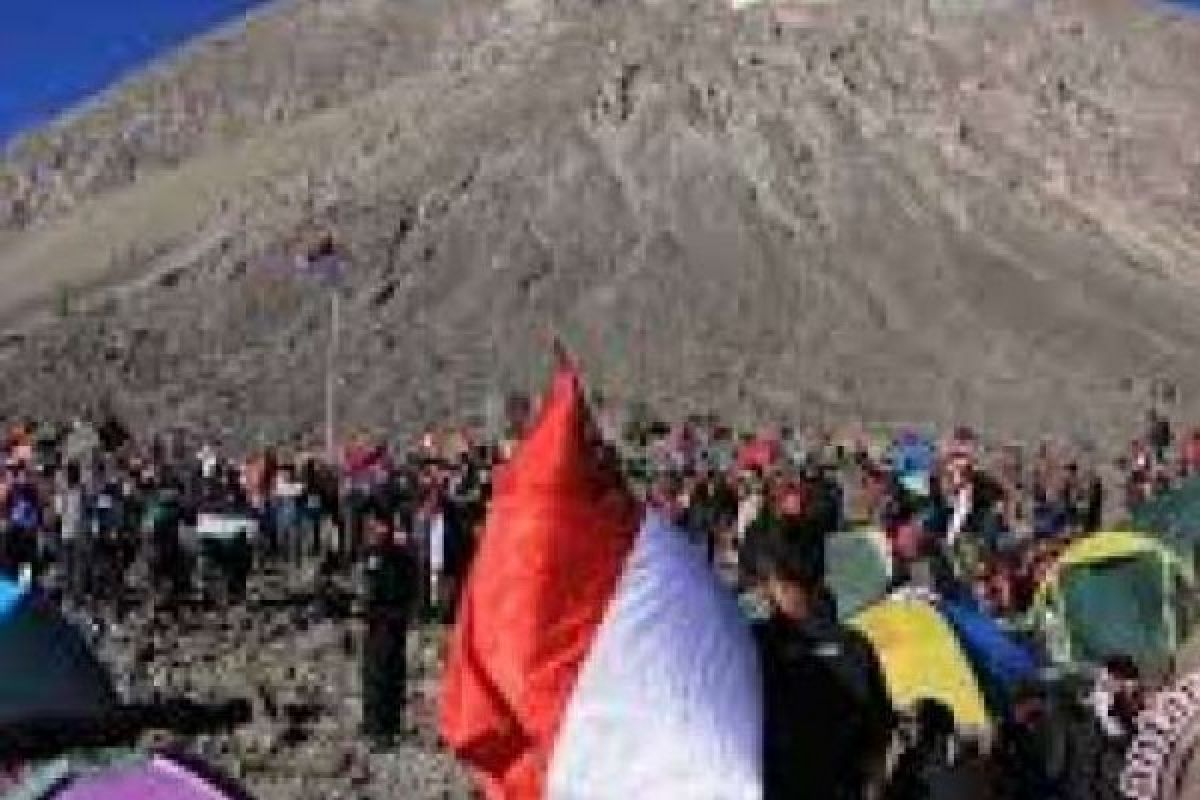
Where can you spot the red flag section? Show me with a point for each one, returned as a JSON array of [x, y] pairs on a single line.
[[556, 539]]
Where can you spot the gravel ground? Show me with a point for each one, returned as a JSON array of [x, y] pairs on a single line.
[[301, 676]]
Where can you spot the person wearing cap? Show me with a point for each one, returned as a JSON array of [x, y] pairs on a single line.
[[827, 717]]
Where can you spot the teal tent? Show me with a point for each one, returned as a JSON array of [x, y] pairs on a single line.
[[858, 568], [1174, 517], [1116, 593]]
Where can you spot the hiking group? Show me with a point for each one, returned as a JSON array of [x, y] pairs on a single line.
[[963, 524]]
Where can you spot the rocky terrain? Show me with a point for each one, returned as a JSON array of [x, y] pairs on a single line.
[[980, 210], [300, 672]]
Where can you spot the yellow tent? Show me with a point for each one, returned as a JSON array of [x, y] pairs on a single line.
[[921, 658]]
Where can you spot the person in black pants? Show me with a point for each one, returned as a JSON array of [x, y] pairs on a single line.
[[390, 587]]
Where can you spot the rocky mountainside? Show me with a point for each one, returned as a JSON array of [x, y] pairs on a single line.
[[979, 210]]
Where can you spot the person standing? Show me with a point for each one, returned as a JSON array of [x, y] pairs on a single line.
[[389, 579], [23, 514], [287, 497], [71, 509], [1033, 747], [937, 765], [1093, 506], [444, 551], [160, 526], [827, 717], [1159, 435], [106, 517]]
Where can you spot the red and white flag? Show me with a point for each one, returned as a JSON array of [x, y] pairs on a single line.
[[596, 655]]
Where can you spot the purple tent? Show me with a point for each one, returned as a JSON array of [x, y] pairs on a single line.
[[159, 777]]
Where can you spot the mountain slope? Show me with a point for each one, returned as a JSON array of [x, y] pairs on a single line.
[[891, 212]]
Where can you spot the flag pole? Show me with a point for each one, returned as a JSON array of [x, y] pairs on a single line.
[[331, 377]]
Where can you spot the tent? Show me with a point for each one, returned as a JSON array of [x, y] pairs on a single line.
[[922, 658], [46, 668], [1115, 593], [123, 775], [1000, 662], [858, 569], [1175, 517]]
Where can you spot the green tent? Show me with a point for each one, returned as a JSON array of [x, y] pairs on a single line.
[[858, 569], [1115, 594], [1175, 518]]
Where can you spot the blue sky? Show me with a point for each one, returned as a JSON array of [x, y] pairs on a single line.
[[55, 53]]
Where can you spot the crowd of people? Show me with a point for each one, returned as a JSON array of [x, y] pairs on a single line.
[[84, 504]]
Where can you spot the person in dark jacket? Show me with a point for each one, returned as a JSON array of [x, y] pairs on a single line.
[[1093, 512], [827, 717], [160, 526], [390, 587], [1100, 736], [937, 766], [444, 548], [1159, 434], [23, 516], [1032, 749]]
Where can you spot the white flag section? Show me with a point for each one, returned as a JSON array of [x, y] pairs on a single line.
[[668, 702]]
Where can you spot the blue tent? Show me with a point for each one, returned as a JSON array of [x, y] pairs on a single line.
[[1001, 662]]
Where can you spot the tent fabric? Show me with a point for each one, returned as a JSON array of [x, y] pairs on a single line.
[[1114, 593], [1174, 517], [580, 615], [11, 593], [46, 668], [1114, 544], [922, 658], [1174, 512], [1002, 663], [1116, 607], [156, 778], [858, 567]]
